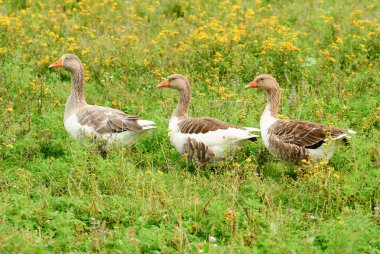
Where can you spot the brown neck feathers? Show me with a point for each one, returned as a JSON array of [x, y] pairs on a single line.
[[183, 103], [274, 96], [77, 85]]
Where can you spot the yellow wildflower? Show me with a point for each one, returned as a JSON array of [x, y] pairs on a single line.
[[331, 59], [3, 50]]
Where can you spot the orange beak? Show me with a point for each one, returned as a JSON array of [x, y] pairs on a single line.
[[164, 84], [57, 64], [253, 84]]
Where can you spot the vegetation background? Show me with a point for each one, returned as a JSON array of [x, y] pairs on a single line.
[[59, 195]]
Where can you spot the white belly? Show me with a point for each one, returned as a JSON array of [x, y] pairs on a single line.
[[325, 151]]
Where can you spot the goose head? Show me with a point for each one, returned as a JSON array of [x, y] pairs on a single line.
[[175, 81], [264, 82], [69, 62]]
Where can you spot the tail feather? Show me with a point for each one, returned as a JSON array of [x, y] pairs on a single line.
[[148, 127], [146, 124], [345, 135], [252, 129]]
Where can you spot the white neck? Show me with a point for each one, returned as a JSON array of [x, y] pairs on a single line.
[[267, 119]]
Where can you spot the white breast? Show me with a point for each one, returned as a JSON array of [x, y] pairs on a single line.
[[266, 121], [76, 130]]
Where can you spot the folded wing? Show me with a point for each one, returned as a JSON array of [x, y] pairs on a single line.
[[304, 134], [106, 120], [204, 125]]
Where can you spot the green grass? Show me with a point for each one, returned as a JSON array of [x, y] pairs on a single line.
[[59, 195]]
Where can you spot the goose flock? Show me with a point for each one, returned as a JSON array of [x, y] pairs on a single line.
[[202, 140]]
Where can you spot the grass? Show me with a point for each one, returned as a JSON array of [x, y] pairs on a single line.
[[59, 195]]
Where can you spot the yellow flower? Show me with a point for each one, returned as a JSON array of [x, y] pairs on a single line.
[[356, 13], [339, 40], [336, 176], [325, 52], [283, 116], [10, 110], [3, 50], [75, 27], [151, 9], [160, 172], [222, 89], [85, 51], [9, 146], [236, 165], [287, 47], [327, 19], [148, 172], [230, 215], [331, 59]]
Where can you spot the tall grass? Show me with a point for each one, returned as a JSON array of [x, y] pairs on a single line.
[[59, 195]]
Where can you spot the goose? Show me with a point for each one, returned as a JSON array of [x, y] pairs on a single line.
[[204, 139], [293, 140], [82, 119]]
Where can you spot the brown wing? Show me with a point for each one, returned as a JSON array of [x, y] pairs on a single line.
[[203, 125], [107, 120], [304, 134]]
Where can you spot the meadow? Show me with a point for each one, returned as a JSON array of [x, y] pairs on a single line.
[[59, 195]]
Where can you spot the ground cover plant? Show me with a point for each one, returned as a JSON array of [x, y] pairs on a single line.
[[60, 195]]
